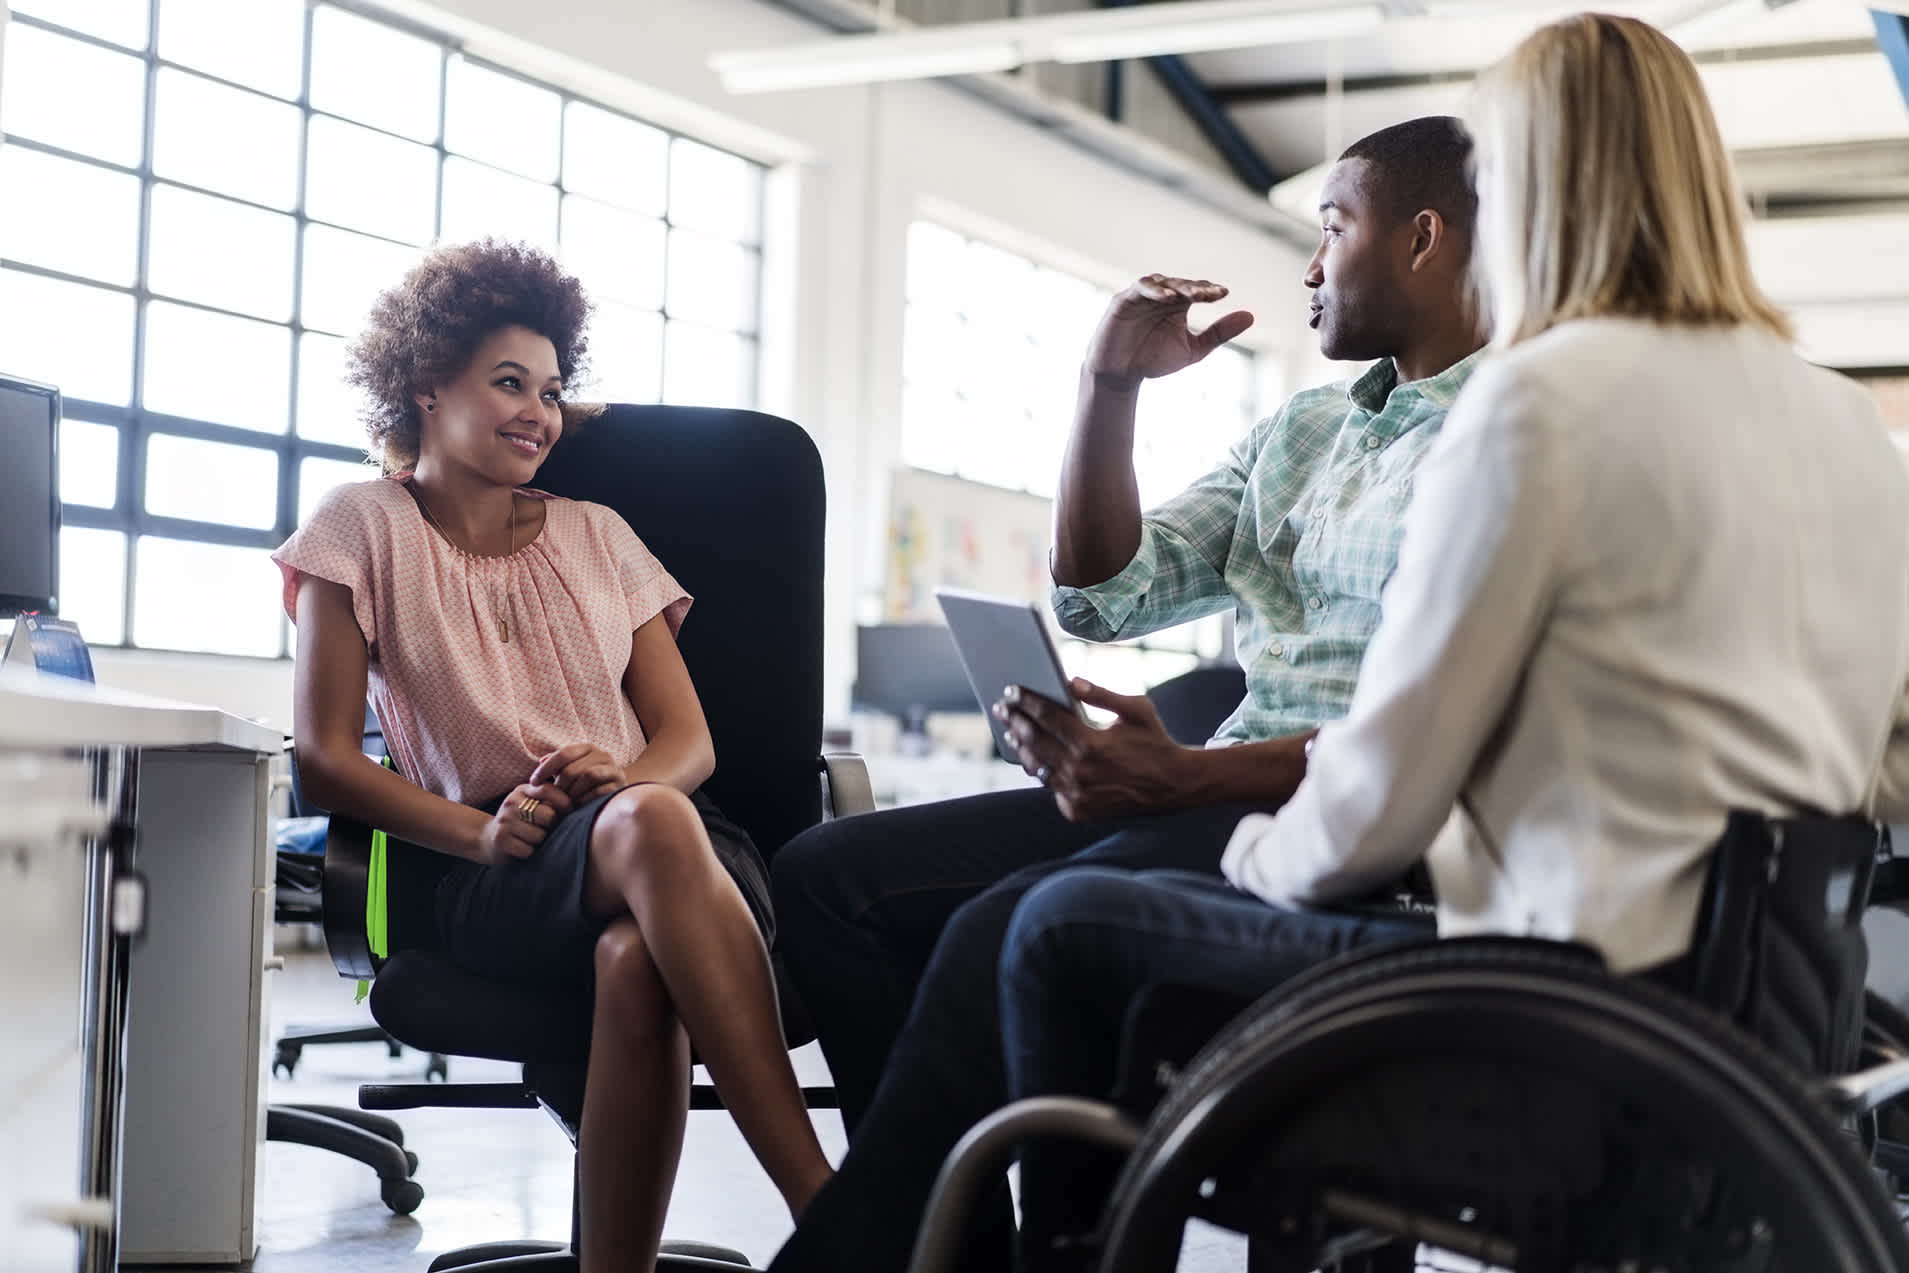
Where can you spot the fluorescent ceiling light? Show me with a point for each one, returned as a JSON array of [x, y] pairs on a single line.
[[760, 73], [1275, 28], [969, 48]]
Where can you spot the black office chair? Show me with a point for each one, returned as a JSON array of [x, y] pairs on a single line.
[[732, 503], [1510, 1101], [300, 883], [372, 1139], [1193, 705]]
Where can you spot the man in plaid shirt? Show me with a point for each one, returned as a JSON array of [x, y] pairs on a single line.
[[1296, 532]]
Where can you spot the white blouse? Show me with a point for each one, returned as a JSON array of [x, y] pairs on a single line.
[[1650, 574]]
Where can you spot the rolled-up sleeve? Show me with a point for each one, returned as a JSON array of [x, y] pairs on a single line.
[[1477, 571]]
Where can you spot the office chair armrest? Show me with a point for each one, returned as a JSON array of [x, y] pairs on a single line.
[[846, 788], [347, 882]]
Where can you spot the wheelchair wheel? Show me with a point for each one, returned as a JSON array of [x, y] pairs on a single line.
[[1510, 1103], [1886, 1132]]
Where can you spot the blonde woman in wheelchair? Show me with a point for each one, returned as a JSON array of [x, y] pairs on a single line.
[[1656, 569]]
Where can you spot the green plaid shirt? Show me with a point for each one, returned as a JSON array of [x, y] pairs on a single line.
[[1297, 531]]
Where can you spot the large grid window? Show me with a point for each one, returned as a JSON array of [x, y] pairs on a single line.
[[204, 196], [992, 349]]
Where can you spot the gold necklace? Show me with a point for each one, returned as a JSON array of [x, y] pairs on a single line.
[[500, 602]]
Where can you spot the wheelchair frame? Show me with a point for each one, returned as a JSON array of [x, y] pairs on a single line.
[[1241, 1112]]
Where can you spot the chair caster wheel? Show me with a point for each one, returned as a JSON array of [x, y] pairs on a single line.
[[286, 1058], [402, 1196], [410, 1163]]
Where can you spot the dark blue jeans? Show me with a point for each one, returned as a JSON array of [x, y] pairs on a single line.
[[1081, 946], [890, 925]]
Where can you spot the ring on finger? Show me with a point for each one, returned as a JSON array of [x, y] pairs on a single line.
[[527, 809]]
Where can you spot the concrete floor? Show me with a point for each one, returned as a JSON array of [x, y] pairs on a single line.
[[495, 1175]]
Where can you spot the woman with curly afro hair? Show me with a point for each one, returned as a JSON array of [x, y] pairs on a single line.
[[520, 652]]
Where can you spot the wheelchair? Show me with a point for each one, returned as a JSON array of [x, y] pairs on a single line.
[[1510, 1102]]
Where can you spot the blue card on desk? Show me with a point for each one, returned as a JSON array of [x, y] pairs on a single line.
[[51, 646]]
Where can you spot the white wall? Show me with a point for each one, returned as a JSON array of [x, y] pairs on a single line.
[[854, 166]]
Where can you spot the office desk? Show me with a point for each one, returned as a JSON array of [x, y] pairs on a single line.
[[174, 1021]]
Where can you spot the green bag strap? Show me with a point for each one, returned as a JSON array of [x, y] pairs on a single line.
[[377, 932]]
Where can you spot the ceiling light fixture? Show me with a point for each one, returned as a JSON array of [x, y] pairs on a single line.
[[971, 48]]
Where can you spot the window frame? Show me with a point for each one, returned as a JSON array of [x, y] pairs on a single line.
[[136, 425]]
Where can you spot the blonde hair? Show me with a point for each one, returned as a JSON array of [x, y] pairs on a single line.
[[1605, 188]]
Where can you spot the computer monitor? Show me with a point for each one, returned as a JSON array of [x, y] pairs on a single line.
[[29, 497], [909, 670]]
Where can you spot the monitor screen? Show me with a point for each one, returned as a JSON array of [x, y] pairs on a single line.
[[908, 669], [29, 497]]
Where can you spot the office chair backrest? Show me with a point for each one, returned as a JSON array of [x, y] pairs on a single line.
[[1195, 704], [732, 503]]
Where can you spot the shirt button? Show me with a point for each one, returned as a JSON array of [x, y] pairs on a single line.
[[1317, 603], [1277, 650], [1372, 442]]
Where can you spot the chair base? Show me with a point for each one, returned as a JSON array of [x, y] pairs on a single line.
[[552, 1257], [358, 1136], [291, 1046]]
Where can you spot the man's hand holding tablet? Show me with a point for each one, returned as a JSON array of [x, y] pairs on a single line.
[[1130, 766]]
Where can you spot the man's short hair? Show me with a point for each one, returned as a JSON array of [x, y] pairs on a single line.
[[1422, 163]]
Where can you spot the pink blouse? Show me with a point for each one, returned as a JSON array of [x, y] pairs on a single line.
[[466, 713]]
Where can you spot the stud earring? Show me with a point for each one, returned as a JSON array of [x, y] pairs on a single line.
[[430, 406]]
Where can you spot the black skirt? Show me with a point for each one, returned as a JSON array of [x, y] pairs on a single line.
[[525, 920]]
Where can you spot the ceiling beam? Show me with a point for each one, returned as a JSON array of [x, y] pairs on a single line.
[[1272, 92], [1892, 37], [1209, 116]]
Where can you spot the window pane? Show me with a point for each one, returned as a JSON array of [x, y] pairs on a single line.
[[618, 255], [1188, 420], [344, 272], [375, 74], [93, 583], [937, 262], [328, 408], [705, 368], [225, 139], [89, 463], [318, 476], [220, 253], [711, 281], [260, 44], [368, 181], [208, 597], [480, 202], [934, 347], [73, 95], [121, 21], [203, 481], [79, 338], [615, 159], [714, 191], [501, 120], [217, 368], [626, 355], [934, 424], [70, 216], [990, 273]]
